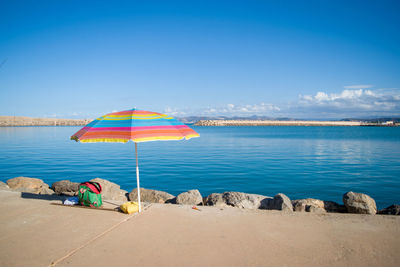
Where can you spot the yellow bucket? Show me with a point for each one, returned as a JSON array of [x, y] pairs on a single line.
[[129, 207]]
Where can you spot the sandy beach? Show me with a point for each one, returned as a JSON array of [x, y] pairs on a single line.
[[36, 233]]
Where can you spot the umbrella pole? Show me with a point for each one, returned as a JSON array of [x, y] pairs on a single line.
[[137, 179]]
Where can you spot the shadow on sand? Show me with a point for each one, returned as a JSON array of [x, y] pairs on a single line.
[[42, 197]]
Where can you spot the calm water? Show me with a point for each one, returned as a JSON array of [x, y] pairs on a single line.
[[318, 162]]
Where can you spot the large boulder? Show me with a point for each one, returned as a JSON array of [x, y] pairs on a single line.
[[215, 199], [315, 209], [65, 187], [191, 197], [30, 185], [305, 204], [149, 195], [391, 210], [359, 203], [243, 200], [110, 190], [316, 205], [279, 202], [235, 199], [4, 186]]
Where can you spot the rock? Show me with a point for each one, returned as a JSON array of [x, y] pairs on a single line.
[[235, 199], [30, 185], [65, 187], [300, 204], [314, 209], [359, 203], [191, 197], [215, 199], [316, 205], [110, 190], [243, 200], [46, 190], [279, 202], [4, 186], [149, 195], [391, 210]]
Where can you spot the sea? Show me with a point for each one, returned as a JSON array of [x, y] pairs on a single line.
[[301, 162]]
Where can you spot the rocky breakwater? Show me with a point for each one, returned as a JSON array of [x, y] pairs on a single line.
[[352, 202], [275, 123], [27, 121]]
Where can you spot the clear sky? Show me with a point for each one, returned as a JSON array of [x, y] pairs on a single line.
[[300, 59]]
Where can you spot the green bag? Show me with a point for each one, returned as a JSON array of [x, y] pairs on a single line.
[[90, 194]]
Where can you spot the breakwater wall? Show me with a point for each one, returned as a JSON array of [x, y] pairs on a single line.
[[281, 123], [352, 202], [27, 121]]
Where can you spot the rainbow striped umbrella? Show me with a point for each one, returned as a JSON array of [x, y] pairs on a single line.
[[136, 125]]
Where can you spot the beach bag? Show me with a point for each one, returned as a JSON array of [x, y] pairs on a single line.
[[129, 207], [90, 194]]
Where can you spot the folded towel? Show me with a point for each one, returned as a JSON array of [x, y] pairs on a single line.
[[71, 201]]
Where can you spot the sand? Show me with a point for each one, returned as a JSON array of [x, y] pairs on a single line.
[[35, 233]]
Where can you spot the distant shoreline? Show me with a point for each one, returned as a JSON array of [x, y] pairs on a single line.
[[10, 121], [6, 121], [287, 123]]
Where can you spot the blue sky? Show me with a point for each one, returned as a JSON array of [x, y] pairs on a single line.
[[300, 59]]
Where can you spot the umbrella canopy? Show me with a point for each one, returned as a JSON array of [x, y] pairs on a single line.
[[135, 125]]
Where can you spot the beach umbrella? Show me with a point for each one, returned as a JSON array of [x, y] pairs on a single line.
[[137, 126]]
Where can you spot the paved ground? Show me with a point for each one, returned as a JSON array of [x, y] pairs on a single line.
[[35, 233]]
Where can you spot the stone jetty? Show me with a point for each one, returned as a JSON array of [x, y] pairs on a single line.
[[28, 121], [358, 203], [277, 123]]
